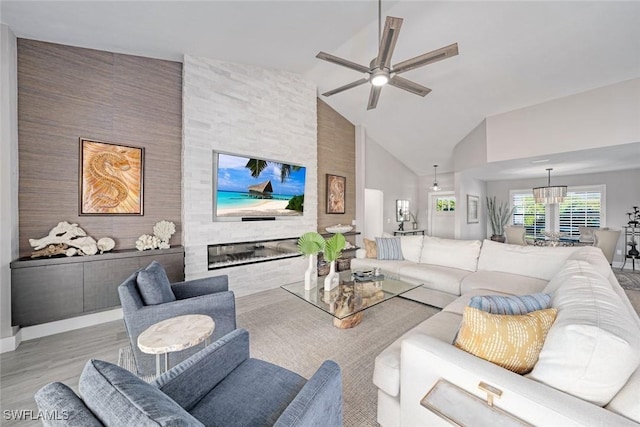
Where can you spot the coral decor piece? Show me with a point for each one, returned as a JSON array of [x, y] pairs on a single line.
[[147, 241], [68, 239], [162, 232], [105, 244]]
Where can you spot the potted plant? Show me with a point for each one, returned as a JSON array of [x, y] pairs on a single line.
[[332, 251], [499, 215], [310, 244]]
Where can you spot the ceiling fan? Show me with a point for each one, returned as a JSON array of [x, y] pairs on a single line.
[[380, 72]]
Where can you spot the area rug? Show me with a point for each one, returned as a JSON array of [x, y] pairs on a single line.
[[291, 333], [629, 279]]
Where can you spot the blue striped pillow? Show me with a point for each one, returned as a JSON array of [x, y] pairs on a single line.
[[389, 248], [514, 304]]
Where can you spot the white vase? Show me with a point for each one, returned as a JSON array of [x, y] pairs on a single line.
[[333, 278], [311, 274]]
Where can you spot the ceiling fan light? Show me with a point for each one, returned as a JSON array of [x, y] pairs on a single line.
[[379, 78]]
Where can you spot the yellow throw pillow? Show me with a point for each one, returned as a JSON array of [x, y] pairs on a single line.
[[370, 247], [513, 342]]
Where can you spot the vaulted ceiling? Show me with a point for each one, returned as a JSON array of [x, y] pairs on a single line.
[[512, 54]]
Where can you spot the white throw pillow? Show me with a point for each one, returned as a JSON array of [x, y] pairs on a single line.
[[532, 261], [461, 254], [594, 345], [411, 247]]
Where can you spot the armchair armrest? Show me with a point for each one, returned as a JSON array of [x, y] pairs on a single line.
[[64, 406], [198, 287], [319, 402], [425, 360], [190, 380]]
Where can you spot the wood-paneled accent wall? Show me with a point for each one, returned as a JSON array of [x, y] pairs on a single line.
[[336, 156], [65, 93]]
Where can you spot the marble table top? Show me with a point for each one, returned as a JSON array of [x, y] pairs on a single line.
[[175, 334]]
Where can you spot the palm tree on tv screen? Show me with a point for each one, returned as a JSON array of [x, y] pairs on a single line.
[[256, 166]]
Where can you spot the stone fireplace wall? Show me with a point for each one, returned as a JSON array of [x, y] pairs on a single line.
[[248, 110]]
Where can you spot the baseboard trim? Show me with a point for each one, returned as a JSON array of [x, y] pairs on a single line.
[[10, 343], [38, 331]]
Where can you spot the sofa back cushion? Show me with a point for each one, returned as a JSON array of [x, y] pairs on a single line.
[[411, 247], [461, 254], [594, 346], [118, 397], [534, 261]]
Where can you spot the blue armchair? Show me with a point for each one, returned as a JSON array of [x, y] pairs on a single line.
[[209, 296], [218, 386]]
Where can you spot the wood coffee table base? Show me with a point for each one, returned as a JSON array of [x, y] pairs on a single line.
[[348, 322]]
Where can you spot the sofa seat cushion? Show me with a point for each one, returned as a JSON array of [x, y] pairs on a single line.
[[117, 397], [508, 283], [392, 267], [532, 261], [510, 341], [386, 372], [154, 286], [626, 401], [265, 390], [594, 347], [460, 254], [436, 277]]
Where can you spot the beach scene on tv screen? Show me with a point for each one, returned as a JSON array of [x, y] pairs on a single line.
[[255, 187]]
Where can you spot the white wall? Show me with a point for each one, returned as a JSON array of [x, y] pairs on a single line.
[[8, 172], [472, 150], [396, 181], [622, 192], [247, 110], [601, 117], [467, 185]]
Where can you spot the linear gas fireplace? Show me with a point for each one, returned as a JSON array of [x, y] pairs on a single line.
[[234, 254]]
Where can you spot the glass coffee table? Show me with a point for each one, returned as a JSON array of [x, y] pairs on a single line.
[[348, 300]]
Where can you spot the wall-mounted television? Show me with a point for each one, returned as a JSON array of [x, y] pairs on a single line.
[[253, 188]]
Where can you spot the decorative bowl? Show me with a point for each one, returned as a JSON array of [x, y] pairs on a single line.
[[339, 228]]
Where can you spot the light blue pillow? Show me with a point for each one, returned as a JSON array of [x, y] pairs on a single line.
[[389, 248], [154, 285], [514, 304]]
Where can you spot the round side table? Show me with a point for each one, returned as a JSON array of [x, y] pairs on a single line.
[[175, 334]]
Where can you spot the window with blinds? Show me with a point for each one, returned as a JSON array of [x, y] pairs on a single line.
[[582, 208], [528, 213]]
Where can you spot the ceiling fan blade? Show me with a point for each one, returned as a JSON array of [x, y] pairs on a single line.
[[345, 87], [427, 58], [409, 86], [373, 97], [388, 42], [344, 62]]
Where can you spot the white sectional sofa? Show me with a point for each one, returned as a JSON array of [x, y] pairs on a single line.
[[587, 372]]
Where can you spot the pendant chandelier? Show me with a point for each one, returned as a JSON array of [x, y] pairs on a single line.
[[435, 187], [550, 194]]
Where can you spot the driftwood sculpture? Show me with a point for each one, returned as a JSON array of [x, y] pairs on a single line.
[[71, 235]]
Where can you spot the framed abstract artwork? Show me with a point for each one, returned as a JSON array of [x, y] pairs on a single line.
[[473, 207], [111, 179], [335, 194]]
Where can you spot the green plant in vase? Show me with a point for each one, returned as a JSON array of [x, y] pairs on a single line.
[[310, 245], [499, 215], [332, 251]]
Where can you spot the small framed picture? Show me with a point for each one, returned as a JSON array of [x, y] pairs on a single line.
[[473, 207], [335, 194], [111, 178]]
